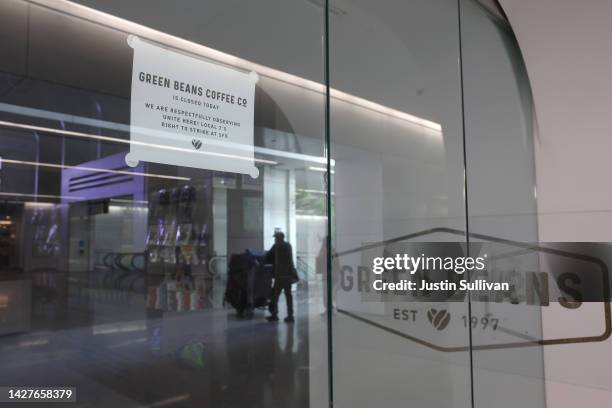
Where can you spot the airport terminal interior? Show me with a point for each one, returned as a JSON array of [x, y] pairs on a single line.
[[369, 117]]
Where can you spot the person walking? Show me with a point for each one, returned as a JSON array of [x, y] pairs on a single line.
[[285, 274]]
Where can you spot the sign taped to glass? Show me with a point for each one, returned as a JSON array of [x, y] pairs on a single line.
[[189, 112]]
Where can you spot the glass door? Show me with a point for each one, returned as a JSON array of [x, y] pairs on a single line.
[[148, 282], [144, 264], [440, 165], [398, 188]]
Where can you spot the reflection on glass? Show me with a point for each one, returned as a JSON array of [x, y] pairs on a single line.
[[131, 284], [397, 181], [501, 183]]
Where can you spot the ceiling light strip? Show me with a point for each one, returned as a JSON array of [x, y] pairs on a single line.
[[81, 120], [46, 196], [124, 141], [92, 169], [227, 59]]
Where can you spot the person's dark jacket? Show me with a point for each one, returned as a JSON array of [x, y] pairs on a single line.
[[281, 256]]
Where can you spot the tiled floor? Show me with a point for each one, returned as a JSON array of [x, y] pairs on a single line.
[[246, 363]]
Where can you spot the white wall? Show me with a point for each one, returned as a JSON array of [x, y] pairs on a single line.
[[279, 205], [566, 47]]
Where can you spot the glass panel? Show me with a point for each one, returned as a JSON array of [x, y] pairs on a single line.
[[507, 361], [397, 146], [147, 286]]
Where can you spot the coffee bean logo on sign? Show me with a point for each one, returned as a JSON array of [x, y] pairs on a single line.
[[541, 275], [438, 318], [196, 143]]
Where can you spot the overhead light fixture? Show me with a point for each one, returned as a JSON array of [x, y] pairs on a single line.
[[123, 141], [312, 191], [125, 201], [45, 196], [122, 127], [80, 120], [169, 40], [321, 169], [93, 169], [311, 217]]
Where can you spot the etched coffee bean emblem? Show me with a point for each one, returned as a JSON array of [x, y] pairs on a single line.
[[438, 318], [196, 143]]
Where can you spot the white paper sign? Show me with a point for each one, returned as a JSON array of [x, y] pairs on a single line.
[[189, 112]]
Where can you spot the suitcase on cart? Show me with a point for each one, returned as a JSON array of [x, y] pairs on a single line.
[[262, 288], [249, 283]]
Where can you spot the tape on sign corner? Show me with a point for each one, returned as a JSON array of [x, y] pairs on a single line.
[[132, 39], [131, 160], [254, 76], [254, 172]]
